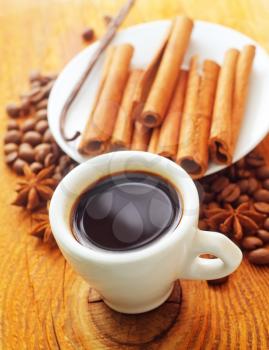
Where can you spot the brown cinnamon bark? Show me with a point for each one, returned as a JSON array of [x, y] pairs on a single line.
[[196, 121], [168, 71], [169, 131], [141, 137], [221, 138], [98, 132], [154, 139], [242, 75], [123, 130]]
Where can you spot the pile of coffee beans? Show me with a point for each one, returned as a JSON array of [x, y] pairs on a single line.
[[247, 181], [28, 139]]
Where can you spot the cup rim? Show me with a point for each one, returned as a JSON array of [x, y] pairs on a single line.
[[61, 226]]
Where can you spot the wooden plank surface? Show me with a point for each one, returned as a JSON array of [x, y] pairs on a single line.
[[40, 296]]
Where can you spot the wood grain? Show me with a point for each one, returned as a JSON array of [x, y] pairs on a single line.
[[38, 290]]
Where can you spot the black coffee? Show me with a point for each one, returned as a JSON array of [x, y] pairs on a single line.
[[125, 211]]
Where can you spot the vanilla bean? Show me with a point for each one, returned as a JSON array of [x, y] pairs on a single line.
[[104, 42]]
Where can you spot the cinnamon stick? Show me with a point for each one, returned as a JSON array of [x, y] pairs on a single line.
[[103, 43], [242, 75], [141, 137], [154, 139], [123, 129], [169, 131], [168, 71], [221, 138], [98, 132], [196, 121]]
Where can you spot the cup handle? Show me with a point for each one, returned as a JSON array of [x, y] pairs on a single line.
[[229, 257]]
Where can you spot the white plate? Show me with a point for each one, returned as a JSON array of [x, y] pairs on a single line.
[[208, 40]]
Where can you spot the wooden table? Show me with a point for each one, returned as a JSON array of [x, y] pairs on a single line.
[[43, 304]]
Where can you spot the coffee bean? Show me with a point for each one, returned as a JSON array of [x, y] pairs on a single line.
[[251, 242], [261, 195], [12, 136], [11, 157], [12, 110], [243, 198], [26, 152], [28, 125], [263, 235], [40, 155], [219, 184], [213, 205], [243, 185], [259, 256], [240, 164], [10, 147], [262, 207], [42, 104], [36, 167], [18, 166], [12, 125], [32, 137], [263, 172], [41, 126], [47, 137], [25, 108], [203, 225], [49, 160], [230, 193], [55, 149], [46, 147], [266, 224], [265, 184], [57, 176], [41, 114], [88, 34], [218, 281], [252, 185], [35, 84], [255, 160], [243, 174], [208, 197]]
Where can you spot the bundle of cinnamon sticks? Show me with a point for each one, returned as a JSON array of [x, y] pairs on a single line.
[[187, 116]]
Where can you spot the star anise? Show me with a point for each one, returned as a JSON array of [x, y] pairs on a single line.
[[234, 222], [35, 189], [42, 227]]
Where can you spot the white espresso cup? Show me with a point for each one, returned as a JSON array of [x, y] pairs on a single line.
[[139, 280]]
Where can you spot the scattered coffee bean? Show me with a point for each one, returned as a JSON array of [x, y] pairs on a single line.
[[203, 225], [219, 184], [26, 152], [265, 184], [230, 193], [251, 242], [261, 195], [208, 197], [11, 157], [28, 125], [13, 111], [263, 172], [266, 224], [263, 235], [18, 166], [262, 207], [41, 126], [47, 137], [259, 256], [243, 174], [243, 185], [42, 104], [12, 136], [243, 198], [12, 125], [49, 160], [55, 150], [88, 34], [36, 167], [32, 137], [213, 205], [255, 160], [41, 114], [10, 147], [240, 164], [25, 108], [252, 185]]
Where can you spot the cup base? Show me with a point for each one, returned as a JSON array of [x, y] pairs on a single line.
[[142, 309]]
